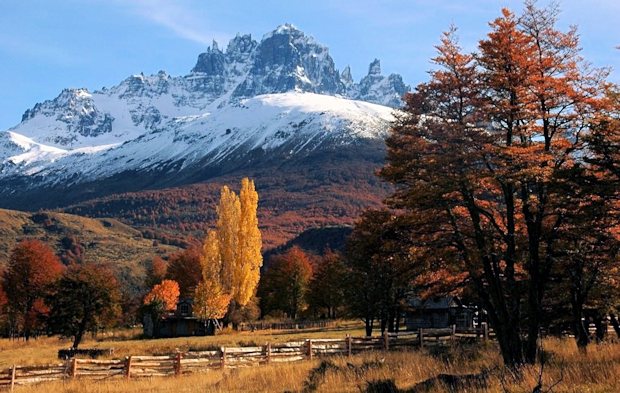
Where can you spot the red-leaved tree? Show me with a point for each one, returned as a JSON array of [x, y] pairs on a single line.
[[32, 268]]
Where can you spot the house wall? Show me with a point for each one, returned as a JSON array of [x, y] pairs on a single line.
[[184, 327], [427, 319]]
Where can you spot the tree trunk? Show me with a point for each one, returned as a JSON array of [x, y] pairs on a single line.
[[78, 339], [615, 324], [533, 318], [511, 345], [383, 324], [601, 327], [369, 326], [579, 330], [81, 331], [232, 307]]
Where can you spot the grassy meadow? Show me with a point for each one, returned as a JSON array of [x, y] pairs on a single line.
[[127, 342], [400, 371]]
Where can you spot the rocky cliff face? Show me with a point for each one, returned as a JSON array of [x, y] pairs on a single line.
[[288, 60]]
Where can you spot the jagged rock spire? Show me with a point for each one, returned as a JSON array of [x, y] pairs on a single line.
[[375, 67]]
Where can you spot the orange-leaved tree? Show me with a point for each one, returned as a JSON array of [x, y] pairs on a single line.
[[167, 293], [481, 159], [327, 289], [156, 271], [380, 268]]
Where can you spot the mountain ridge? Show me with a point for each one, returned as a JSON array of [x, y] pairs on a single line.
[[255, 108]]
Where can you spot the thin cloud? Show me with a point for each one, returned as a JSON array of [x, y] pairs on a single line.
[[179, 18]]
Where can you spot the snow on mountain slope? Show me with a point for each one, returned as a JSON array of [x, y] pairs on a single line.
[[282, 94], [298, 120]]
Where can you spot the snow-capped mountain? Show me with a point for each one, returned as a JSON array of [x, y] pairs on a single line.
[[280, 97]]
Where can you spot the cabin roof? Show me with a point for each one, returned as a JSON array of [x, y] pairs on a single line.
[[435, 303]]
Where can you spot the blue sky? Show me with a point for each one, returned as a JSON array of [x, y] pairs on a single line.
[[49, 45]]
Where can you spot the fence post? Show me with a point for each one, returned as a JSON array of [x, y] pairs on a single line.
[[485, 326], [223, 357], [386, 341], [268, 352], [453, 336], [349, 344], [177, 364], [12, 378], [309, 349], [128, 367], [421, 337], [74, 367]]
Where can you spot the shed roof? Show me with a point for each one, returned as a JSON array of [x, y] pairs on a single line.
[[435, 303]]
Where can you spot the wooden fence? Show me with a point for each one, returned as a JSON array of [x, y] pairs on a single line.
[[261, 325], [230, 357]]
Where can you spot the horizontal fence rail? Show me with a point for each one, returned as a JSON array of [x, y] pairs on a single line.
[[285, 325], [231, 357]]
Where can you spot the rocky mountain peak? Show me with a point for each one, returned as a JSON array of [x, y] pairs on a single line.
[[70, 100], [286, 59], [378, 88], [215, 47], [346, 77], [375, 67], [241, 47], [285, 29], [211, 62]]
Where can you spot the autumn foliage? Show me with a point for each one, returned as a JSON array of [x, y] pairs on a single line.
[[211, 301], [184, 268], [286, 283], [491, 167], [326, 289], [86, 298], [32, 268], [231, 257], [156, 271], [166, 292]]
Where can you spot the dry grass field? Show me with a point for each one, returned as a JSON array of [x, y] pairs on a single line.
[[44, 350], [596, 372]]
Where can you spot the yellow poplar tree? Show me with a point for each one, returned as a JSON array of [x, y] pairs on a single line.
[[211, 302], [249, 258], [228, 213], [231, 257]]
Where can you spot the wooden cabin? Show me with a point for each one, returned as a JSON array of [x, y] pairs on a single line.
[[438, 312], [180, 323]]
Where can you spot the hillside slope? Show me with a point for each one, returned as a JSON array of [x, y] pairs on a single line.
[[105, 241], [294, 195]]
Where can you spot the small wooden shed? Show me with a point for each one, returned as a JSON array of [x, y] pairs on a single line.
[[438, 312], [181, 323]]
